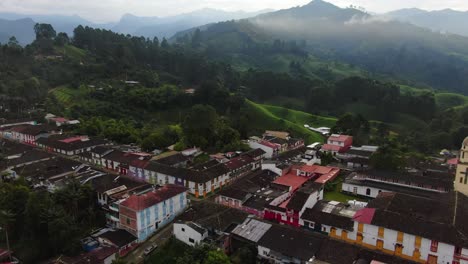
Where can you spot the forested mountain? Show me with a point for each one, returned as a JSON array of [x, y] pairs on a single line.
[[22, 29], [447, 20], [168, 26], [392, 49], [85, 78], [19, 25], [61, 23]]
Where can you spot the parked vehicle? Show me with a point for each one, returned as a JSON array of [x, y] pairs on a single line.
[[150, 249]]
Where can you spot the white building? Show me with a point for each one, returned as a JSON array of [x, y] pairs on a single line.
[[461, 178], [424, 230], [190, 233], [143, 214]]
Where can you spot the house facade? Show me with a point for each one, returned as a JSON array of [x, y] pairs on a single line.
[[461, 178], [423, 230], [190, 233], [338, 144], [143, 214]]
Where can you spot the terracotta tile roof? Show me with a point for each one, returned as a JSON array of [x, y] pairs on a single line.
[[239, 162], [294, 181], [329, 147], [339, 138], [143, 201]]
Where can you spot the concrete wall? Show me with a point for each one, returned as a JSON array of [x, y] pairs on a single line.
[[184, 233]]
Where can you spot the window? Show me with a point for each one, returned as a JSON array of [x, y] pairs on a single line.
[[461, 179], [368, 191], [191, 240], [434, 245], [128, 221], [355, 190]]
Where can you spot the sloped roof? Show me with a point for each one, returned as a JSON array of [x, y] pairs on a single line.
[[441, 218], [119, 237], [146, 200]]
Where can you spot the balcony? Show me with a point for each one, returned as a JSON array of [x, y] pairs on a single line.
[[112, 217], [460, 257], [114, 207]]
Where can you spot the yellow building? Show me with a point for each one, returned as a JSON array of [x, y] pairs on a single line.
[[461, 178]]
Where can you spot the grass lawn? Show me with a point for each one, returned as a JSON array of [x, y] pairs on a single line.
[[279, 118], [337, 195]]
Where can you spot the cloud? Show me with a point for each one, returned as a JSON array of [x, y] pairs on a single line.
[[361, 20], [111, 10]]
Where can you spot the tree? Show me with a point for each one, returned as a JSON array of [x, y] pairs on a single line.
[[62, 39], [216, 257], [196, 38], [388, 157], [199, 126], [44, 31], [13, 43], [164, 44], [45, 35]]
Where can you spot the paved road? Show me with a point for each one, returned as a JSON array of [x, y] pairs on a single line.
[[159, 238]]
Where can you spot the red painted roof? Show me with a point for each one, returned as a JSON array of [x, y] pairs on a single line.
[[269, 144], [452, 161], [329, 147], [329, 176], [340, 138], [294, 181], [316, 169], [59, 119], [143, 201], [364, 215], [73, 139]]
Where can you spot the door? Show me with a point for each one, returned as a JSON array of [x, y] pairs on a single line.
[[399, 249], [379, 244], [432, 259]]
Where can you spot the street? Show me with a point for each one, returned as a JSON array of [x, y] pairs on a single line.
[[137, 256]]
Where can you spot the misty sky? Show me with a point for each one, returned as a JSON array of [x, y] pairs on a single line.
[[111, 10]]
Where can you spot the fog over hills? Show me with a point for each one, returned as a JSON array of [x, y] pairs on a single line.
[[447, 20]]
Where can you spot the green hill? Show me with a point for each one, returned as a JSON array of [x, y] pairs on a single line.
[[279, 118]]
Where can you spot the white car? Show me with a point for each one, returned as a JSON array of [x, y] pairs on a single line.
[[150, 249]]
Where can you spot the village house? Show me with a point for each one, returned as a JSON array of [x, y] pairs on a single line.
[[120, 161], [202, 179], [338, 144], [143, 214], [16, 155], [253, 192], [290, 211], [5, 123], [422, 183], [69, 145], [190, 233], [358, 157], [271, 150], [424, 230], [60, 121], [175, 160], [326, 216], [118, 238], [112, 190], [29, 134], [50, 174]]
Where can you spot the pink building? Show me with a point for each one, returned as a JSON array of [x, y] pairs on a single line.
[[338, 144]]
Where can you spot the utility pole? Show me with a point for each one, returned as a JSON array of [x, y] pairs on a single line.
[[8, 243]]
